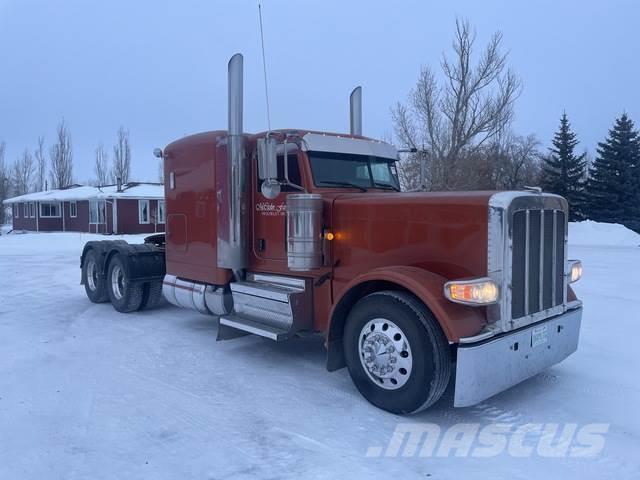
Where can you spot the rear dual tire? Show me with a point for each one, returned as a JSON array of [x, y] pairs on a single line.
[[95, 284], [125, 296], [396, 353], [152, 295]]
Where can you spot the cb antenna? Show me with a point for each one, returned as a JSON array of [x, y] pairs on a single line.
[[264, 68]]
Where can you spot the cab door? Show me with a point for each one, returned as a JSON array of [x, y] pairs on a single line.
[[270, 215]]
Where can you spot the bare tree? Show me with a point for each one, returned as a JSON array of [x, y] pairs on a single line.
[[61, 154], [121, 156], [523, 167], [454, 119], [41, 165], [508, 162], [101, 167], [22, 173], [5, 184]]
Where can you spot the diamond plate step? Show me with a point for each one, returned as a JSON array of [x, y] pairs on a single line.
[[251, 326]]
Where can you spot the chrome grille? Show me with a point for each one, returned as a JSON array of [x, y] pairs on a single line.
[[537, 261]]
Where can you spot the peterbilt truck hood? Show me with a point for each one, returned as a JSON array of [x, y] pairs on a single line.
[[445, 233]]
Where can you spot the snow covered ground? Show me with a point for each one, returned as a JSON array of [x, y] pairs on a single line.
[[87, 393]]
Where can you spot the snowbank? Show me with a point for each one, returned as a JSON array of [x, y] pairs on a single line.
[[602, 234]]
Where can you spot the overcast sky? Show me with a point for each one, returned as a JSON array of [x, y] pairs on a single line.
[[159, 67]]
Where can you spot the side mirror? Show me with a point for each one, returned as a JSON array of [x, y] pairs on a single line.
[[270, 188], [267, 159], [157, 152], [268, 167]]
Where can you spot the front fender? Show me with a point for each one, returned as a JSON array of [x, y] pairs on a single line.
[[456, 320]]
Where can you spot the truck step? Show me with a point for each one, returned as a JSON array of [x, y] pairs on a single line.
[[266, 291], [252, 326], [272, 306]]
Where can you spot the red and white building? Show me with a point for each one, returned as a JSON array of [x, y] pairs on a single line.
[[134, 208]]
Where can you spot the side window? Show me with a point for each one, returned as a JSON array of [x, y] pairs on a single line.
[[161, 213], [294, 172], [143, 211], [362, 174]]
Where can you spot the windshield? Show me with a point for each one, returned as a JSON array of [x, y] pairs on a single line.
[[346, 170]]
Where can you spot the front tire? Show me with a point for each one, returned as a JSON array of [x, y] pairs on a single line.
[[396, 353], [94, 282], [125, 296]]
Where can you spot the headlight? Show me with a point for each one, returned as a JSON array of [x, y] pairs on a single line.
[[575, 270], [479, 291]]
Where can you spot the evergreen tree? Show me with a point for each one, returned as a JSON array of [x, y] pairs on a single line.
[[614, 184], [563, 172]]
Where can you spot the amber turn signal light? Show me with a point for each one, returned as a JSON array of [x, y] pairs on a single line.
[[478, 291]]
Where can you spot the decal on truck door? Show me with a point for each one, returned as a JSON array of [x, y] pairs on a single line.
[[270, 209]]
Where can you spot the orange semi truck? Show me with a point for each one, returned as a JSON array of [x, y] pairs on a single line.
[[297, 232]]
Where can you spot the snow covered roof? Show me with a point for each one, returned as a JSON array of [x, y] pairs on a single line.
[[84, 192]]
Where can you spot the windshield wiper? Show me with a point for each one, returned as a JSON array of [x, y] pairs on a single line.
[[387, 186], [343, 184]]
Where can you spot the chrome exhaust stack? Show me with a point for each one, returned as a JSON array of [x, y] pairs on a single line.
[[355, 104], [232, 224]]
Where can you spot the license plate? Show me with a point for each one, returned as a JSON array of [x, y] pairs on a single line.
[[539, 336]]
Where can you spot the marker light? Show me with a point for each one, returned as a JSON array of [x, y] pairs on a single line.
[[479, 291], [575, 270], [329, 236]]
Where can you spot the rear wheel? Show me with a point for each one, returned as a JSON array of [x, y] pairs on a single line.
[[125, 296], [93, 280], [396, 353], [151, 295]]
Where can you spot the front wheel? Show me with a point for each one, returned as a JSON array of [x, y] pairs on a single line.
[[396, 353], [125, 296]]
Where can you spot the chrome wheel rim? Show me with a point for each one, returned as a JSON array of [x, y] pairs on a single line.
[[92, 275], [385, 353], [118, 283]]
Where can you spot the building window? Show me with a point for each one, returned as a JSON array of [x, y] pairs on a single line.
[[161, 211], [143, 211], [50, 210], [32, 210], [25, 210], [73, 209], [17, 215], [96, 211]]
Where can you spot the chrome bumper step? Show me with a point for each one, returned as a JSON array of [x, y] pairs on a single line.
[[488, 367]]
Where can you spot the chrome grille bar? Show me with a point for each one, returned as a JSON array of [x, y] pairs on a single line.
[[526, 262], [542, 276], [554, 262]]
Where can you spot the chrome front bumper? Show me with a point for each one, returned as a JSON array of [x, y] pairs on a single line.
[[489, 367]]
